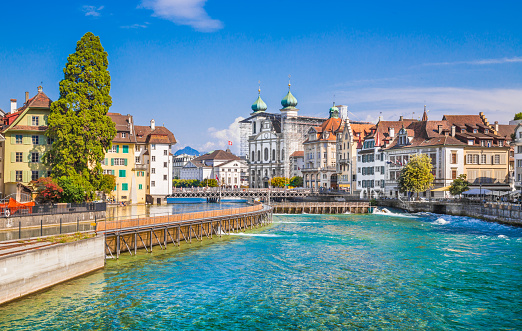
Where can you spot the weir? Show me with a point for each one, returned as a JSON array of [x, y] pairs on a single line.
[[321, 207], [129, 235]]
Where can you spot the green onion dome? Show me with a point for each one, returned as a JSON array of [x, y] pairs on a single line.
[[289, 101], [259, 105]]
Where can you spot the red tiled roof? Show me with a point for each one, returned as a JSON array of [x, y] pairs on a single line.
[[143, 134], [297, 154]]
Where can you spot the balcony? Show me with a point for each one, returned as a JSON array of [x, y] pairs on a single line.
[[140, 167]]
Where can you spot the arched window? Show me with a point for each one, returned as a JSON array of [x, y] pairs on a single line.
[[254, 128], [266, 154], [282, 154], [259, 155], [253, 156], [273, 155]]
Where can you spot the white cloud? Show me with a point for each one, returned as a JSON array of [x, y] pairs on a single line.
[[222, 137], [515, 59], [184, 12], [497, 104], [135, 26], [92, 10]]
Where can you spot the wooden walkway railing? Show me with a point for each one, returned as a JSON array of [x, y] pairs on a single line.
[[165, 219]]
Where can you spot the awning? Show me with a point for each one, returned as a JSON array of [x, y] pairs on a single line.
[[441, 189], [477, 191]]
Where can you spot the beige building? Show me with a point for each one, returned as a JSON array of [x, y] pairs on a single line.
[[349, 138], [320, 153], [25, 142]]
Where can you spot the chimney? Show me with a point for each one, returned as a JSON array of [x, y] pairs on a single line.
[[391, 132], [439, 129], [152, 125], [496, 126], [401, 118], [453, 129], [13, 105], [26, 97]]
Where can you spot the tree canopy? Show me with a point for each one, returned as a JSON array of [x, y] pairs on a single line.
[[279, 181], [416, 176], [296, 181], [459, 185], [78, 121], [518, 116], [209, 182]]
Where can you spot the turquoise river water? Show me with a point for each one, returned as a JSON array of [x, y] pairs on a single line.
[[321, 272]]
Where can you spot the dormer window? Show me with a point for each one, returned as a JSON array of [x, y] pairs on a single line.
[[471, 141], [500, 143], [486, 130], [123, 134], [475, 131], [462, 130]]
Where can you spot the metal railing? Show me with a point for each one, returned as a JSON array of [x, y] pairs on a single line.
[[58, 208]]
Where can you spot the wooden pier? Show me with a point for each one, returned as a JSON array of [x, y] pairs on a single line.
[[129, 235], [321, 207]]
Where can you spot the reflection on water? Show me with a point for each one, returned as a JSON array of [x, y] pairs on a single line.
[[321, 272]]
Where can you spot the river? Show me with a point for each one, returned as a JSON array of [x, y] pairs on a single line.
[[322, 272]]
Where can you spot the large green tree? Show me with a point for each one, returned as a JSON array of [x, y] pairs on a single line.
[[78, 121], [416, 176], [459, 185]]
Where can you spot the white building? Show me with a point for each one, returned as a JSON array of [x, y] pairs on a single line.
[[296, 164], [517, 144], [268, 140], [223, 165], [178, 162], [153, 150]]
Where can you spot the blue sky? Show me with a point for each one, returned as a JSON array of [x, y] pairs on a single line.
[[194, 65]]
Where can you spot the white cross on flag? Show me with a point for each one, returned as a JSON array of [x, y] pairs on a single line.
[[229, 143]]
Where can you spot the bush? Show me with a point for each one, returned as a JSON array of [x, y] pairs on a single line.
[[47, 190], [373, 202], [73, 189], [209, 182]]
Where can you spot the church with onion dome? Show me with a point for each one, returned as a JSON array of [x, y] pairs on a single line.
[[268, 139]]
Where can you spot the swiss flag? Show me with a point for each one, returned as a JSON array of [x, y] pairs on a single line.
[[229, 143]]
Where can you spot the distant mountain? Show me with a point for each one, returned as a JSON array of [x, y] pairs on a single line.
[[187, 150]]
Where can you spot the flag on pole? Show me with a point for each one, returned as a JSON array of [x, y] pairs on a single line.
[[229, 143], [217, 178]]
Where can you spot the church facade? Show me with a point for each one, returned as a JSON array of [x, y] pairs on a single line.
[[268, 140]]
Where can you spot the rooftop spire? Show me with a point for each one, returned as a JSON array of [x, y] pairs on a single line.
[[425, 115]]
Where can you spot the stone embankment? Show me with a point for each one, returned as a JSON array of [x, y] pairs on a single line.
[[493, 212], [30, 266]]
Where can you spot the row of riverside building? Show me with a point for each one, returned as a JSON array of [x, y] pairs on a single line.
[[140, 157], [366, 158]]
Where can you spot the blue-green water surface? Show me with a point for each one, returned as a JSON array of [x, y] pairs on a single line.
[[321, 272]]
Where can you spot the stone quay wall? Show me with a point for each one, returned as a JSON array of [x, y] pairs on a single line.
[[53, 219], [500, 213], [34, 270]]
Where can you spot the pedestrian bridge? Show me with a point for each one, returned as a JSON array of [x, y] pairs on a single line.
[[128, 234], [216, 193]]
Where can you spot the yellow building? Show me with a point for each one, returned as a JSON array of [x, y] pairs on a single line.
[[25, 142], [120, 161]]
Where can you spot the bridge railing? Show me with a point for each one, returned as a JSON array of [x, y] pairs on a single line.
[[135, 222], [217, 189]]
